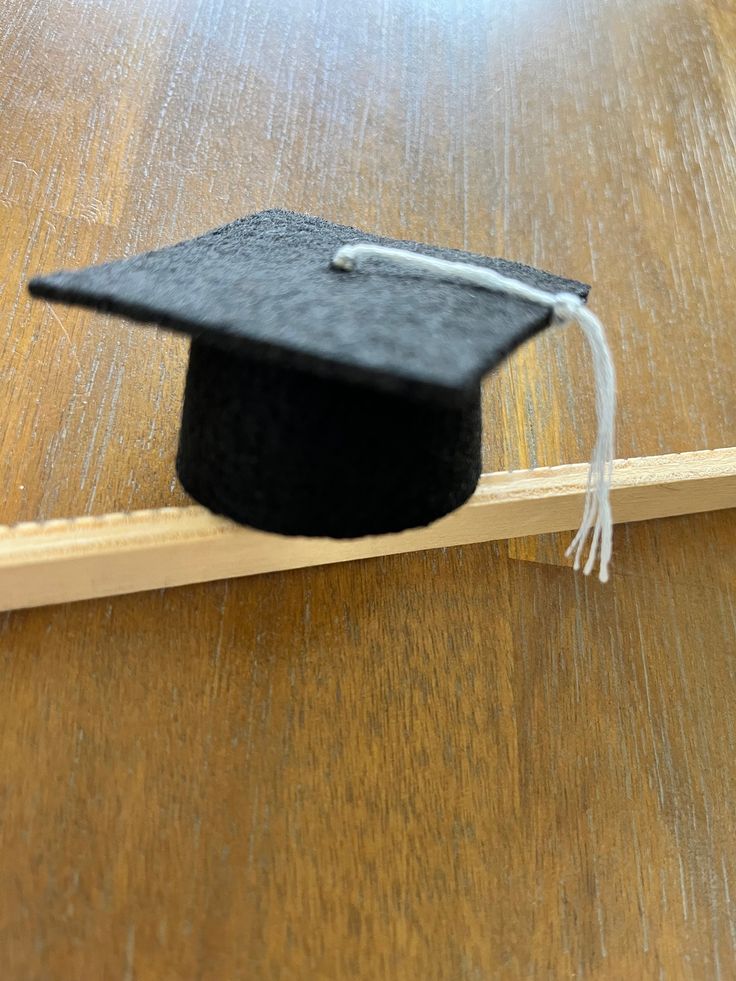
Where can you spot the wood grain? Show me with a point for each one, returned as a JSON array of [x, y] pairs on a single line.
[[450, 765], [555, 134], [455, 767]]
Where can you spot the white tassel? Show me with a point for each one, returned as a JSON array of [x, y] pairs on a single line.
[[565, 307]]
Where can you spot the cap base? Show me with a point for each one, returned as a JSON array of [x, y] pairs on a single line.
[[281, 450]]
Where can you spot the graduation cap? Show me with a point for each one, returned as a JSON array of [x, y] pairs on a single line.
[[333, 386]]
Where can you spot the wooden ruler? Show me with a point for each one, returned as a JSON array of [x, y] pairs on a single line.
[[85, 557]]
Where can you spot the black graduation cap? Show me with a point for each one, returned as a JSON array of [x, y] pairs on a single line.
[[320, 402]]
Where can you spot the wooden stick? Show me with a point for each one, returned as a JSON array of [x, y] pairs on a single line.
[[81, 558]]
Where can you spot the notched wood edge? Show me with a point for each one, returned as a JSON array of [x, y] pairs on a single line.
[[562, 478]]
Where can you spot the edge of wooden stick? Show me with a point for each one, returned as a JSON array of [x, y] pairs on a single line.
[[86, 557]]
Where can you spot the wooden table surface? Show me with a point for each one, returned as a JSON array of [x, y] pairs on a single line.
[[462, 764]]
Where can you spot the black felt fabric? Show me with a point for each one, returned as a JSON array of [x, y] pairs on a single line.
[[263, 287], [320, 402], [282, 450]]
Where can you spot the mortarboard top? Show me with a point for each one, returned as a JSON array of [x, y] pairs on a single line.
[[263, 287], [319, 402]]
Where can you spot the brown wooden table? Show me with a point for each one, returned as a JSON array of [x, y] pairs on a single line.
[[463, 764]]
